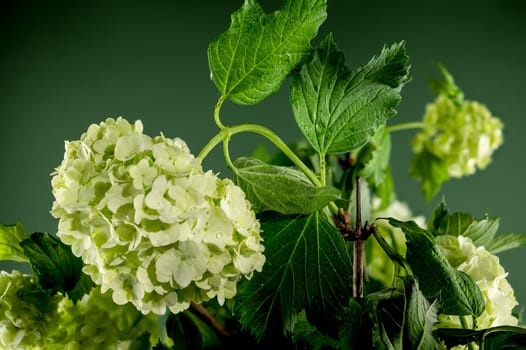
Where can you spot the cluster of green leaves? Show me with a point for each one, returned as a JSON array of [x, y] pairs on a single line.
[[308, 270], [305, 289], [483, 232], [405, 316], [306, 281]]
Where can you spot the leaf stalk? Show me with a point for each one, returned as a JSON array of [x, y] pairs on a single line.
[[405, 126], [465, 325], [391, 253], [226, 132], [217, 108]]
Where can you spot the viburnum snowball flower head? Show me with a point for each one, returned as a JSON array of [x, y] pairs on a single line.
[[486, 271], [464, 136], [149, 223], [26, 311]]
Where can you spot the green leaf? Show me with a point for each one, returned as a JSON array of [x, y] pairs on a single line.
[[430, 170], [405, 317], [337, 109], [459, 223], [252, 58], [456, 292], [378, 153], [309, 337], [307, 267], [483, 232], [385, 190], [83, 286], [190, 332], [421, 318], [447, 86], [352, 331], [375, 156], [505, 241], [437, 223], [281, 189], [57, 269], [184, 332], [10, 238], [390, 317], [495, 338], [356, 326]]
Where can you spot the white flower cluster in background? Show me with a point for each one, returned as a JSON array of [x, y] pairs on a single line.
[[32, 319], [465, 136], [95, 322], [149, 223], [486, 271], [26, 312]]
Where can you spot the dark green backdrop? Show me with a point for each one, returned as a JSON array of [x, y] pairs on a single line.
[[66, 64]]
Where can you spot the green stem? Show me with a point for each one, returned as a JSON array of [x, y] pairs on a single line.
[[217, 108], [323, 169], [216, 113], [214, 141], [465, 325], [227, 132], [405, 126], [226, 153], [393, 255]]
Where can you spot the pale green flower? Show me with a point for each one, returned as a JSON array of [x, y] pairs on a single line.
[[150, 225], [464, 136], [26, 311], [486, 271], [95, 322]]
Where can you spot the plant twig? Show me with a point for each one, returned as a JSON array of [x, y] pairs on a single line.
[[358, 247], [358, 235], [209, 319]]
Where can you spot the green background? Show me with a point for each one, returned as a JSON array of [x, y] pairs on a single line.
[[66, 64]]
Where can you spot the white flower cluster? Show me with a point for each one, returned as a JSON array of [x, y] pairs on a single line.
[[149, 223], [26, 312], [486, 271], [464, 137], [95, 322]]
